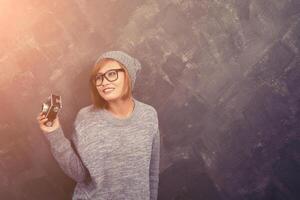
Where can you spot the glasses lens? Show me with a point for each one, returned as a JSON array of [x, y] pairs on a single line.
[[112, 75], [98, 80]]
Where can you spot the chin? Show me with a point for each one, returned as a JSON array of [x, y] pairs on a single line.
[[111, 97]]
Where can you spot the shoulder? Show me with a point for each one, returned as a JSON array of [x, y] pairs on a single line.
[[149, 110], [147, 107], [149, 114], [84, 113], [86, 109]]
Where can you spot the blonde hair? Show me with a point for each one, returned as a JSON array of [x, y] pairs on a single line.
[[97, 100]]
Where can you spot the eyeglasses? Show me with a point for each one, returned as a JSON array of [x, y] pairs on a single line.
[[111, 75]]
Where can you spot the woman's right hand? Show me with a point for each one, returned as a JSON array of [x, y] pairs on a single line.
[[47, 129]]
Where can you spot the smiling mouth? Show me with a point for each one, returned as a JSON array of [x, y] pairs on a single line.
[[108, 90]]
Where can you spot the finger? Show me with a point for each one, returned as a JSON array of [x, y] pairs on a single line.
[[43, 121], [40, 117], [41, 113]]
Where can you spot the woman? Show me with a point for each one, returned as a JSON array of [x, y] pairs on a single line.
[[116, 138]]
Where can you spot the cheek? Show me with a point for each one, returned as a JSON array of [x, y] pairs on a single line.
[[99, 90], [121, 81]]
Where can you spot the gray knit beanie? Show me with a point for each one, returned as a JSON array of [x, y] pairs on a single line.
[[132, 64]]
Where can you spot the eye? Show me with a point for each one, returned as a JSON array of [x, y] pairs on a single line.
[[112, 73], [98, 77]]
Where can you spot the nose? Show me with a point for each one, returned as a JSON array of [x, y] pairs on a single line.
[[104, 80]]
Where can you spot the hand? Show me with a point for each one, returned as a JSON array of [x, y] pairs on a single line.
[[47, 129]]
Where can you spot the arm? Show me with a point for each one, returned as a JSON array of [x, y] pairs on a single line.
[[65, 155], [154, 166]]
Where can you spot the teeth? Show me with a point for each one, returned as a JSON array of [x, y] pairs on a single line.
[[107, 90]]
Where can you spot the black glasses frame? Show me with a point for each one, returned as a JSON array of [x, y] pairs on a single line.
[[104, 75]]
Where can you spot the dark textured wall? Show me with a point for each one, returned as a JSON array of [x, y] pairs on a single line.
[[223, 74]]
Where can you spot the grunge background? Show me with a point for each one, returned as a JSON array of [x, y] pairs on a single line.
[[223, 75]]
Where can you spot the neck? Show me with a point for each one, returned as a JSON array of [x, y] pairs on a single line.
[[121, 108]]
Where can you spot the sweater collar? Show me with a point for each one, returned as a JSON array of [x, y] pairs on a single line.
[[109, 117]]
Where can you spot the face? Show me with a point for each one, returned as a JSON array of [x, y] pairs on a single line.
[[117, 85]]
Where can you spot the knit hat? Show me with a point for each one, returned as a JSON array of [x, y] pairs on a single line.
[[132, 64]]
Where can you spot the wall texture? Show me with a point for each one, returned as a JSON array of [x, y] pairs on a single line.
[[223, 75]]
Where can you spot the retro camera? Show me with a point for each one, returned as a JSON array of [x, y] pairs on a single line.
[[51, 107]]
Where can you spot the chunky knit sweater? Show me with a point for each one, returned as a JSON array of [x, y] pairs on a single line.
[[116, 159]]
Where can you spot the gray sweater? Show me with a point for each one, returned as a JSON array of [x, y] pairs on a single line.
[[117, 158]]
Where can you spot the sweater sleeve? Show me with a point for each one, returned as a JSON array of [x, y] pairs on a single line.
[[65, 155], [154, 166]]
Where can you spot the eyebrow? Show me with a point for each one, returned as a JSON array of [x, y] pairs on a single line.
[[107, 71]]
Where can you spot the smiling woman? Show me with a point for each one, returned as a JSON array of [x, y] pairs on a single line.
[[111, 79], [117, 137]]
